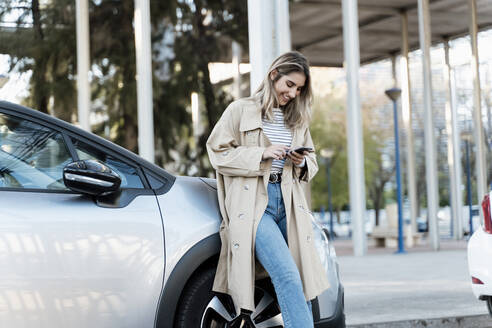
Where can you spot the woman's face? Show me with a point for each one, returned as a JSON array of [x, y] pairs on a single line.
[[288, 86]]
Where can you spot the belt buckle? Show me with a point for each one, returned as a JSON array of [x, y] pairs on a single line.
[[275, 178]]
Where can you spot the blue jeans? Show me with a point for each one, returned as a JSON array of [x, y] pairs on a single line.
[[273, 253]]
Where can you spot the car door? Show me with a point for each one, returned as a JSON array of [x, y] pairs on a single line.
[[66, 259]]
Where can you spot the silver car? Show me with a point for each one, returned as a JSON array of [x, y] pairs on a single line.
[[91, 235]]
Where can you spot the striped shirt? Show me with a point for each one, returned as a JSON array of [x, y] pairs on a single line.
[[278, 134]]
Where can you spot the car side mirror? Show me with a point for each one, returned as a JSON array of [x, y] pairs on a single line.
[[91, 177]]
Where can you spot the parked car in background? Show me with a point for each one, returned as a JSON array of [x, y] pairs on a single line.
[[342, 227], [444, 219], [339, 229], [480, 256], [92, 235]]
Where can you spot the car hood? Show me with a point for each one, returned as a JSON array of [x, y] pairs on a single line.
[[210, 182]]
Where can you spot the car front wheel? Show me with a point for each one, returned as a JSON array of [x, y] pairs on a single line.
[[200, 307]]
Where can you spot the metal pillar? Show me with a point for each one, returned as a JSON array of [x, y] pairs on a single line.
[[477, 113], [282, 20], [394, 94], [487, 87], [269, 36], [430, 145], [454, 156], [407, 121], [144, 80], [401, 248], [236, 62], [354, 127], [195, 120], [393, 71], [330, 204], [261, 39], [83, 63], [468, 187]]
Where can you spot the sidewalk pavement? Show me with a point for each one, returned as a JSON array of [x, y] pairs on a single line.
[[405, 290]]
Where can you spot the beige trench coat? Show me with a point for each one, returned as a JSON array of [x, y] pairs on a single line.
[[235, 148]]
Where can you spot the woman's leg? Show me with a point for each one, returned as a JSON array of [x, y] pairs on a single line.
[[274, 255], [282, 224]]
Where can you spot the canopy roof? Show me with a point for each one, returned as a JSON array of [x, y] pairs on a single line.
[[316, 26]]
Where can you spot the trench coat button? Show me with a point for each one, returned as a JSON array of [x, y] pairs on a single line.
[[308, 238], [246, 187], [236, 245], [241, 216]]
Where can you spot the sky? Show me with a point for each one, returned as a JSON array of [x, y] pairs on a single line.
[[16, 87]]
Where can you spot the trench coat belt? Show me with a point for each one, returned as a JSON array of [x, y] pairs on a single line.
[[275, 177]]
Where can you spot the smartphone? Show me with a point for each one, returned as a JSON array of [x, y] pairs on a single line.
[[301, 150]]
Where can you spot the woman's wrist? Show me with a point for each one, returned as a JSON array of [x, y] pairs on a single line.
[[302, 164]]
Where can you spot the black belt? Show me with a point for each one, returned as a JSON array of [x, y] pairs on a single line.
[[275, 177]]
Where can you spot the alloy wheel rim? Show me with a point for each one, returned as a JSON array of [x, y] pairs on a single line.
[[220, 313]]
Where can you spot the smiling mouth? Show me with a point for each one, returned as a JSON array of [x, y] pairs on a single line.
[[285, 99]]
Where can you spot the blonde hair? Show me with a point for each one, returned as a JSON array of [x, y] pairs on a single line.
[[297, 111]]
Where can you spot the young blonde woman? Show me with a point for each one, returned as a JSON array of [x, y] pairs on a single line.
[[261, 198]]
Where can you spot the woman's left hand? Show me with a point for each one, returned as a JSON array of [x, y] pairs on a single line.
[[297, 158]]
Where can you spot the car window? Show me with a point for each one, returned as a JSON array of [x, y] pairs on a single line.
[[128, 173], [31, 155]]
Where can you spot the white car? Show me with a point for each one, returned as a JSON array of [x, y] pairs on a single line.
[[92, 235], [480, 256]]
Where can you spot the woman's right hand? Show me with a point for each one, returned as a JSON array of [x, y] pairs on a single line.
[[275, 152]]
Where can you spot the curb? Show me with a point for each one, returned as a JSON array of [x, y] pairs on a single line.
[[477, 321]]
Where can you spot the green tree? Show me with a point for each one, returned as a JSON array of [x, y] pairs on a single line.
[[43, 42], [31, 43], [329, 131], [200, 27], [378, 150]]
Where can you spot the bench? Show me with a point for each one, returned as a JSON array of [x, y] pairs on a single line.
[[388, 236]]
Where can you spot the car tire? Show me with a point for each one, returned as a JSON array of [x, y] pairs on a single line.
[[337, 320], [200, 307], [196, 295], [488, 300]]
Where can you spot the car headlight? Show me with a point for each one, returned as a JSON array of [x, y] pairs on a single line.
[[323, 245]]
